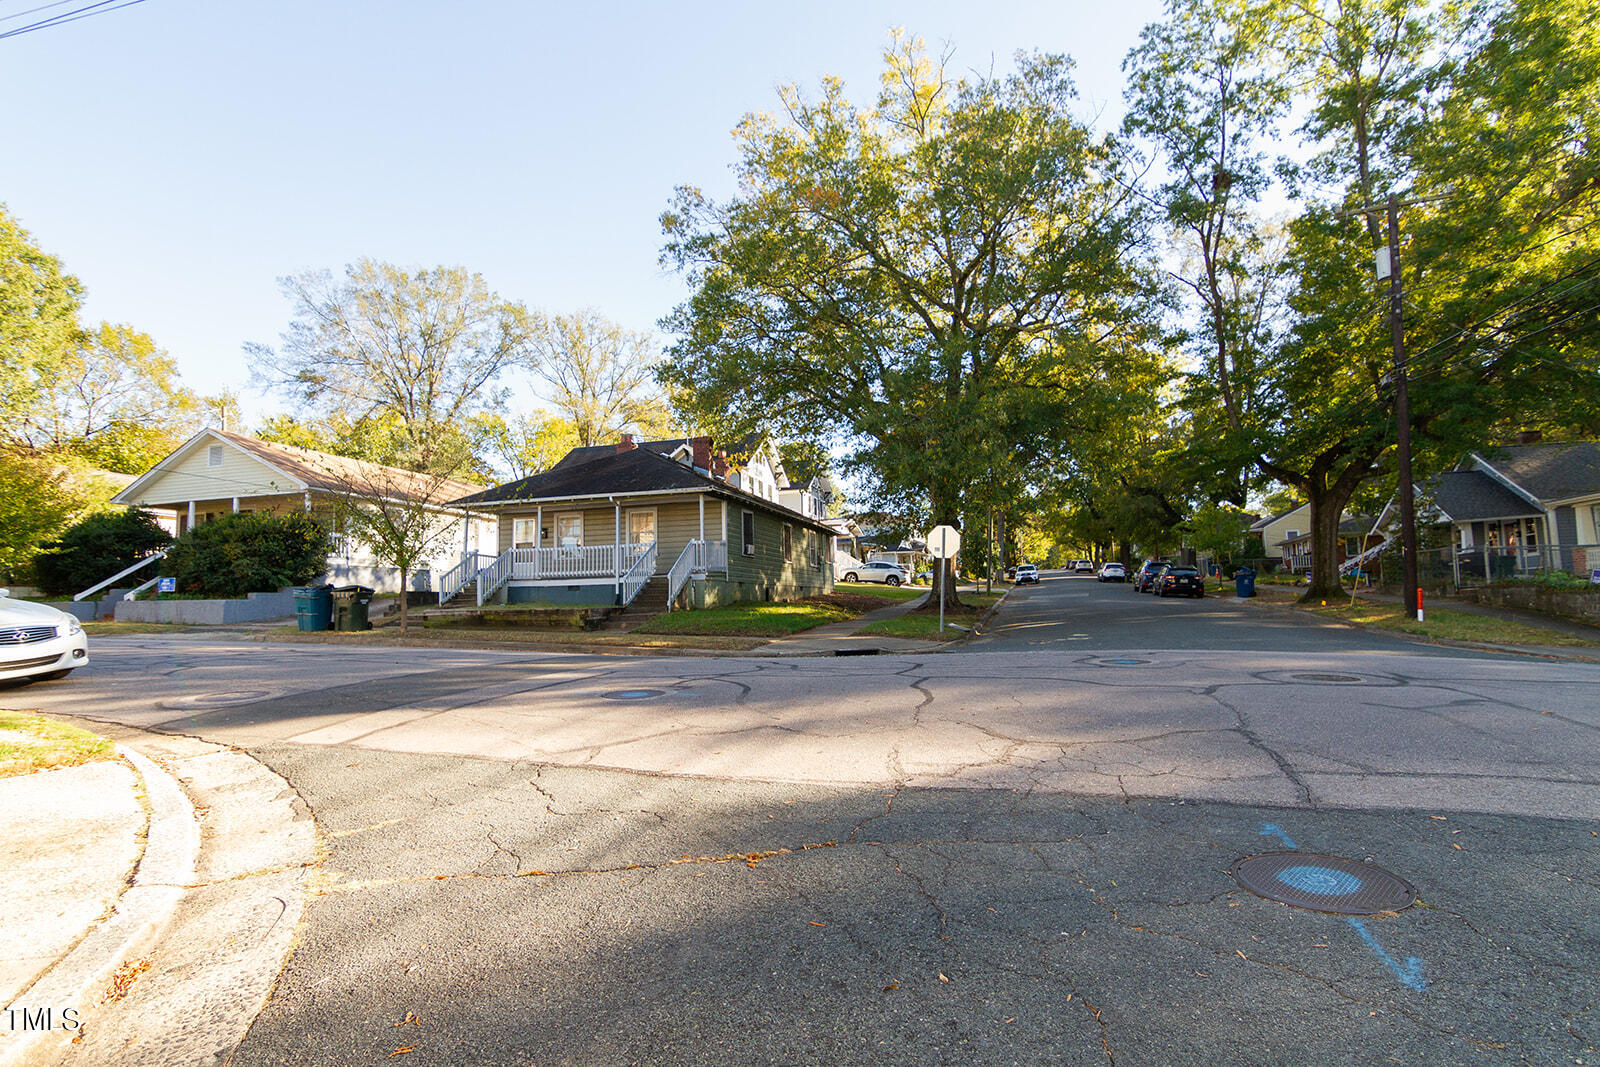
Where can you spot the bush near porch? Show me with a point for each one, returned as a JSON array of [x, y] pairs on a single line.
[[248, 553]]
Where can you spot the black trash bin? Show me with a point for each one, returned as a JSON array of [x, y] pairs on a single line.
[[1244, 582], [350, 607], [313, 608]]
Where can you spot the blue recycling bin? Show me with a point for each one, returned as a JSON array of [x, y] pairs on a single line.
[[313, 608], [1244, 582]]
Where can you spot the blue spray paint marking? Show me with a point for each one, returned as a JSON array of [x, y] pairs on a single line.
[[1410, 975], [1269, 829], [1323, 881]]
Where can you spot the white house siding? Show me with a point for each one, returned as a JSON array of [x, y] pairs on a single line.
[[238, 475]]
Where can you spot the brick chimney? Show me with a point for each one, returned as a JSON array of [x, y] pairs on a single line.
[[626, 444], [1529, 437], [719, 466], [702, 452]]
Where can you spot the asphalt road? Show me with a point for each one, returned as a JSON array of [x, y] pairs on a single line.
[[991, 857], [1077, 610]]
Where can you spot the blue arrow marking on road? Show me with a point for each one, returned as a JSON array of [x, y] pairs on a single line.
[[1410, 975], [1269, 829]]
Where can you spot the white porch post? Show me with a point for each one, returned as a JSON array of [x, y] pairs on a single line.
[[616, 540], [538, 538], [307, 499], [191, 515], [236, 505], [702, 499]]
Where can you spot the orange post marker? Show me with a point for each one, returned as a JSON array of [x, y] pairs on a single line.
[[1419, 607]]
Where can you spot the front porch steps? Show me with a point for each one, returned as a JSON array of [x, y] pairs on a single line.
[[651, 601]]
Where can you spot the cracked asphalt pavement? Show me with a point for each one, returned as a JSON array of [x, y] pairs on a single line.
[[991, 857]]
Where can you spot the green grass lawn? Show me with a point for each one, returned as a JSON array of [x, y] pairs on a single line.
[[749, 620], [30, 742], [1451, 625], [924, 625]]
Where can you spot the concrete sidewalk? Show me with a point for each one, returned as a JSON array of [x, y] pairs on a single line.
[[120, 878]]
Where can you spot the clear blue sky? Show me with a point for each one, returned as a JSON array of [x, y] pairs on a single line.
[[179, 155]]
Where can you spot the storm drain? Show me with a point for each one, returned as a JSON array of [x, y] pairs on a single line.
[[1324, 883]]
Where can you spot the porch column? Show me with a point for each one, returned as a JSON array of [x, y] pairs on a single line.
[[308, 503], [191, 515], [616, 540], [236, 505], [538, 539], [702, 499]]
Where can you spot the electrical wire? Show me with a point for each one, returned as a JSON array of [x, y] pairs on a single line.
[[104, 7]]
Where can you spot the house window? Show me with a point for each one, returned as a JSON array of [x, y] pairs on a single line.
[[1594, 524], [642, 526], [747, 525], [214, 456], [524, 533], [788, 542], [569, 530]]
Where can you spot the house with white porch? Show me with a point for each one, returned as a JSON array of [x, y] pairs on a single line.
[[1525, 507], [216, 473], [609, 522]]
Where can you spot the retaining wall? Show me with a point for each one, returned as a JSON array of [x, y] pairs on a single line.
[[257, 607], [1573, 604]]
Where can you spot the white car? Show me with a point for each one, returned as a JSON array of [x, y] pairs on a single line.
[[887, 573], [37, 641], [1083, 566], [1028, 572], [1113, 572]]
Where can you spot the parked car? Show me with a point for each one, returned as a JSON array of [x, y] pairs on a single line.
[[1083, 566], [37, 641], [1180, 581], [1113, 572], [887, 573], [1147, 574], [1027, 573]]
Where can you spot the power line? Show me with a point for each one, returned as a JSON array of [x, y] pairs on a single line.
[[104, 7], [31, 10]]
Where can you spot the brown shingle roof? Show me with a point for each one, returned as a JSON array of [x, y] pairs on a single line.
[[326, 472]]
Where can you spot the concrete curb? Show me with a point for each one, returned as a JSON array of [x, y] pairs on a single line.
[[80, 978]]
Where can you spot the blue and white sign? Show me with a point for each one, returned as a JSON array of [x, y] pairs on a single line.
[[1594, 577], [166, 585]]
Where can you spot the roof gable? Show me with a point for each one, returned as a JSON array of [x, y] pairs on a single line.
[[1547, 471]]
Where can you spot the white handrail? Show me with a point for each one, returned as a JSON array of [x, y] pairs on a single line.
[[461, 575], [638, 574], [133, 594], [685, 565], [1355, 561], [495, 575], [122, 574]]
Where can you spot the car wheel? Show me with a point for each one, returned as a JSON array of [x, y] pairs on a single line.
[[51, 676], [851, 576], [891, 580]]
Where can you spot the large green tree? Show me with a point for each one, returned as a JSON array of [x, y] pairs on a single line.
[[923, 280], [601, 376], [426, 348], [38, 321]]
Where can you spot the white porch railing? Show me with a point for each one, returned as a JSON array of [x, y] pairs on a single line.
[[637, 575], [696, 556], [492, 577], [93, 589], [573, 561], [462, 575]]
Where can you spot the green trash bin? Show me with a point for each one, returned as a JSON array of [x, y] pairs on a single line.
[[350, 607], [313, 608]]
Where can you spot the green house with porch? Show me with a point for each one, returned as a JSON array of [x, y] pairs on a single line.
[[657, 522]]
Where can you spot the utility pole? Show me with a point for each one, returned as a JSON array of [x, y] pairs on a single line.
[[1402, 416]]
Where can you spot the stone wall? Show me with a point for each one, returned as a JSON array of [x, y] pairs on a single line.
[[257, 607], [1580, 604]]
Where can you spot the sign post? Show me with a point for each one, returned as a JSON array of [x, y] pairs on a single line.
[[943, 544]]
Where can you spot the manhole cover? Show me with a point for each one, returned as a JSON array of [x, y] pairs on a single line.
[[218, 700], [1114, 661], [1124, 662], [632, 694], [1324, 883]]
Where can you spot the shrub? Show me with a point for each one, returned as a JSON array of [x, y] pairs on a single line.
[[248, 553], [96, 548]]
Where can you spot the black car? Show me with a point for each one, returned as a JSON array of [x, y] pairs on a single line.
[[1144, 580], [1180, 581]]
